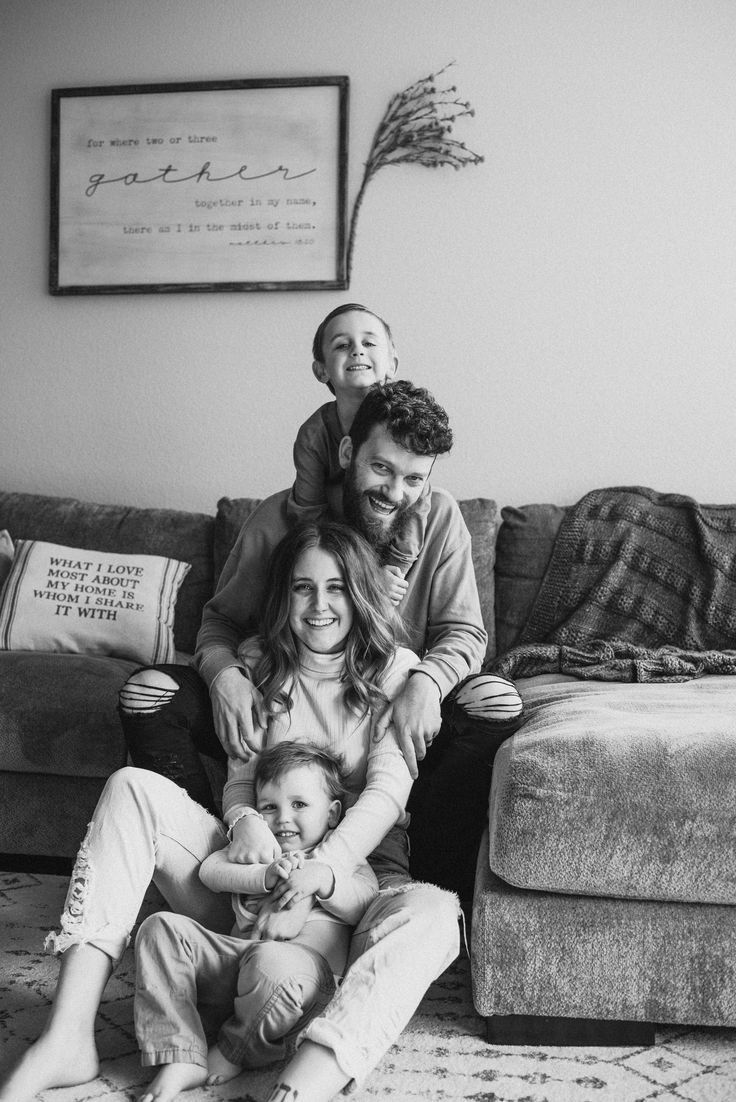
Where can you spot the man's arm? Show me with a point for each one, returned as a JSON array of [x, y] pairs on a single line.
[[455, 640], [232, 613], [443, 604], [229, 617]]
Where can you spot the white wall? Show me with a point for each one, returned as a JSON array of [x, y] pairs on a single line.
[[572, 301]]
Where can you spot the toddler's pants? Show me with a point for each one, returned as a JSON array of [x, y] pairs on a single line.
[[191, 983]]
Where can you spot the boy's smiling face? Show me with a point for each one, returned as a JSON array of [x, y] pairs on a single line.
[[356, 353], [298, 808]]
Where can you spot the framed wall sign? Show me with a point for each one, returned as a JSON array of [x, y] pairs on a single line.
[[219, 186]]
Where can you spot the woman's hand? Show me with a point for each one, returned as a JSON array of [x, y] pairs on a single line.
[[236, 709], [253, 843]]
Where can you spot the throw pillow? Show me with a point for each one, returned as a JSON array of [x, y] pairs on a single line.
[[523, 551], [6, 556], [90, 602]]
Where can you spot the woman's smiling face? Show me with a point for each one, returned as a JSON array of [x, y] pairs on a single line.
[[320, 607]]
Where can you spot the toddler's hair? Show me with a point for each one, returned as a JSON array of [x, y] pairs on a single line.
[[410, 415], [347, 308], [274, 762]]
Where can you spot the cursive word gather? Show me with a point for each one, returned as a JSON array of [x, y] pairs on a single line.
[[165, 176]]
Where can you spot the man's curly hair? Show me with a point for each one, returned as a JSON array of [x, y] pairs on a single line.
[[410, 414]]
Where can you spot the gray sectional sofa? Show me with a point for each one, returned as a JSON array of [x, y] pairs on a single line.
[[606, 886]]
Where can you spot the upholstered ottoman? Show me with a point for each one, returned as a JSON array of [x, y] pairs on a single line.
[[607, 888]]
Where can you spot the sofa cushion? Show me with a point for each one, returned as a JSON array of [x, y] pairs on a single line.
[[523, 549], [129, 530], [58, 713], [481, 516], [59, 598], [552, 955], [620, 790], [232, 514]]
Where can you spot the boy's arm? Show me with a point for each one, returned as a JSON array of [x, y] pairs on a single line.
[[308, 499]]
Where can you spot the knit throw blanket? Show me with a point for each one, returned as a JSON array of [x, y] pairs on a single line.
[[641, 586]]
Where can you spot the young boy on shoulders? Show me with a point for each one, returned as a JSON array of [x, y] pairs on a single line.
[[353, 350]]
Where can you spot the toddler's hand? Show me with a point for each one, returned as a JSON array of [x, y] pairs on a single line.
[[394, 583], [312, 878], [282, 868]]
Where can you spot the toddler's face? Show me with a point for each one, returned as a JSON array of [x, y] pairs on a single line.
[[297, 807], [356, 353]]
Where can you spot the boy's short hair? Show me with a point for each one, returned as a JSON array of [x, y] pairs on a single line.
[[346, 308], [277, 760], [410, 414]]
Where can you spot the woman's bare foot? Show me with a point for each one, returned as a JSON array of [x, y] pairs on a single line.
[[172, 1079], [52, 1061], [220, 1070]]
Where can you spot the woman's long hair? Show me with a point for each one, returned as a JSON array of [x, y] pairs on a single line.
[[372, 638]]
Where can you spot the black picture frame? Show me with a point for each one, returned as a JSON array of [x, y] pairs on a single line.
[[232, 185]]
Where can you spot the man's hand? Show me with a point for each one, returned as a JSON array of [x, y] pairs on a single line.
[[311, 878], [415, 714], [274, 925], [236, 709], [253, 843]]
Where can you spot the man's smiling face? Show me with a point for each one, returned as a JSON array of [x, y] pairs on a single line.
[[383, 480]]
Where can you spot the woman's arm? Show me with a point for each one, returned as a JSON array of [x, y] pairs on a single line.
[[219, 874], [239, 791], [252, 840], [378, 808], [388, 782], [351, 890]]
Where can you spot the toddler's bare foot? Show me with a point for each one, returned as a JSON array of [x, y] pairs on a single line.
[[220, 1070], [50, 1062], [172, 1079]]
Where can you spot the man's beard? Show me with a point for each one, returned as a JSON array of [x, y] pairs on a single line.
[[358, 513]]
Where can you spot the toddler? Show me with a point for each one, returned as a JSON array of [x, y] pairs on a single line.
[[259, 993], [353, 350]]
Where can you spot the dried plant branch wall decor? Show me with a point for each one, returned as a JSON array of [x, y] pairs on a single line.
[[416, 129]]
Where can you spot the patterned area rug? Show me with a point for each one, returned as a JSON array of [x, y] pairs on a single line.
[[441, 1057]]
